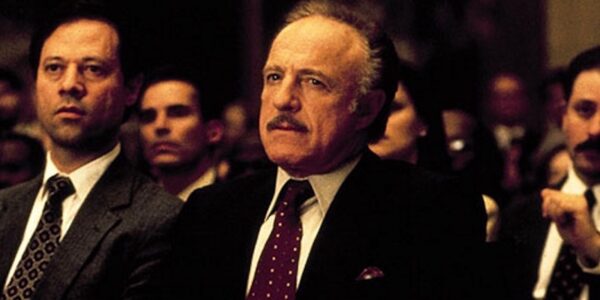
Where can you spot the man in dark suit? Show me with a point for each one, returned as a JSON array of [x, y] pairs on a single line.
[[333, 221], [89, 226], [556, 238]]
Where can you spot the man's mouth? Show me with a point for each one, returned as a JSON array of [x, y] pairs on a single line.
[[70, 112], [163, 147]]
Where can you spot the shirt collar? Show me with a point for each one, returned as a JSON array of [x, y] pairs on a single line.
[[574, 185], [325, 186], [209, 177], [86, 176]]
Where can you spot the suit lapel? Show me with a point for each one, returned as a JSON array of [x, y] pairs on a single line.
[[14, 214], [342, 247], [94, 220]]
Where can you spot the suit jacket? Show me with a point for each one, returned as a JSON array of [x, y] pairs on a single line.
[[113, 245], [523, 237], [421, 231]]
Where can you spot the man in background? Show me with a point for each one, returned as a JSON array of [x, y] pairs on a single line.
[[179, 129], [556, 239]]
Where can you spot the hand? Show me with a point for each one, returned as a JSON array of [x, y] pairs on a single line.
[[571, 215]]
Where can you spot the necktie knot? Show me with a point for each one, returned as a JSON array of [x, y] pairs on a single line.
[[294, 193], [59, 188]]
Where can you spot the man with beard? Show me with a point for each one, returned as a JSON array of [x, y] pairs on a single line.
[[179, 129], [333, 221], [557, 241], [89, 226]]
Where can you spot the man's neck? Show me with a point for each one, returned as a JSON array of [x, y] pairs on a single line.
[[175, 180], [68, 159], [588, 181]]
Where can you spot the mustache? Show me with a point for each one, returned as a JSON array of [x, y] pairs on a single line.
[[287, 121], [592, 144]]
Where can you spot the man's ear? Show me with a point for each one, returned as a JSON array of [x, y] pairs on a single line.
[[367, 108], [133, 89], [214, 131]]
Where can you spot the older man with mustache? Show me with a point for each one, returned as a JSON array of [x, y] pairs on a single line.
[[558, 255], [333, 221]]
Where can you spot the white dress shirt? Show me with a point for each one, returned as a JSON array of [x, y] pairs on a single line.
[[573, 185], [83, 179], [209, 177], [312, 213]]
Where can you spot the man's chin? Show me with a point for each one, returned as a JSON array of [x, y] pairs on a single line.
[[590, 169]]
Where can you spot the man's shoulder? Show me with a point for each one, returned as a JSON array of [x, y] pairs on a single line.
[[240, 186], [392, 174], [23, 188], [137, 191]]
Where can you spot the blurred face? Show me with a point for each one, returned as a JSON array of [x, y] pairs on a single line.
[[459, 128], [80, 93], [171, 126], [308, 124], [9, 106], [15, 164], [581, 125], [508, 103], [402, 130]]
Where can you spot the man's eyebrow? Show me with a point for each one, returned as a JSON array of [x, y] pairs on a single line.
[[273, 68], [52, 58], [145, 109], [309, 71], [98, 59]]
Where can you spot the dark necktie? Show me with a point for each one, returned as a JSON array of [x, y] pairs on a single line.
[[43, 244], [567, 277], [277, 268]]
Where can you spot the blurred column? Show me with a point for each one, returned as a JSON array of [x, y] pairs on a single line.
[[252, 40]]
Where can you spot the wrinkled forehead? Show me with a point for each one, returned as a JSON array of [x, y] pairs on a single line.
[[81, 34], [329, 38]]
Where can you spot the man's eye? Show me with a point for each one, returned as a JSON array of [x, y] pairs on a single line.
[[316, 82], [52, 68], [272, 77], [585, 110], [147, 116], [93, 71], [397, 106], [179, 111]]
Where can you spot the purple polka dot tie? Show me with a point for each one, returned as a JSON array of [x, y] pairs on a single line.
[[277, 268], [43, 244], [568, 279]]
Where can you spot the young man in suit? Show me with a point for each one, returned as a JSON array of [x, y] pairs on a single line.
[[89, 226], [333, 221], [556, 239], [180, 128]]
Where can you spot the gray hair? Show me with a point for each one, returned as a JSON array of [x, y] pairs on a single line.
[[381, 69]]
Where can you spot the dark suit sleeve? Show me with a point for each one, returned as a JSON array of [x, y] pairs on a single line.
[[177, 279], [459, 247], [152, 246], [474, 266]]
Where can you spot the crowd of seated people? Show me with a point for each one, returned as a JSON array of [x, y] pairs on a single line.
[[360, 180]]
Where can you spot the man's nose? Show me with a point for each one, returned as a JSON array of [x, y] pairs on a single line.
[[594, 128], [72, 83], [161, 124], [287, 97]]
